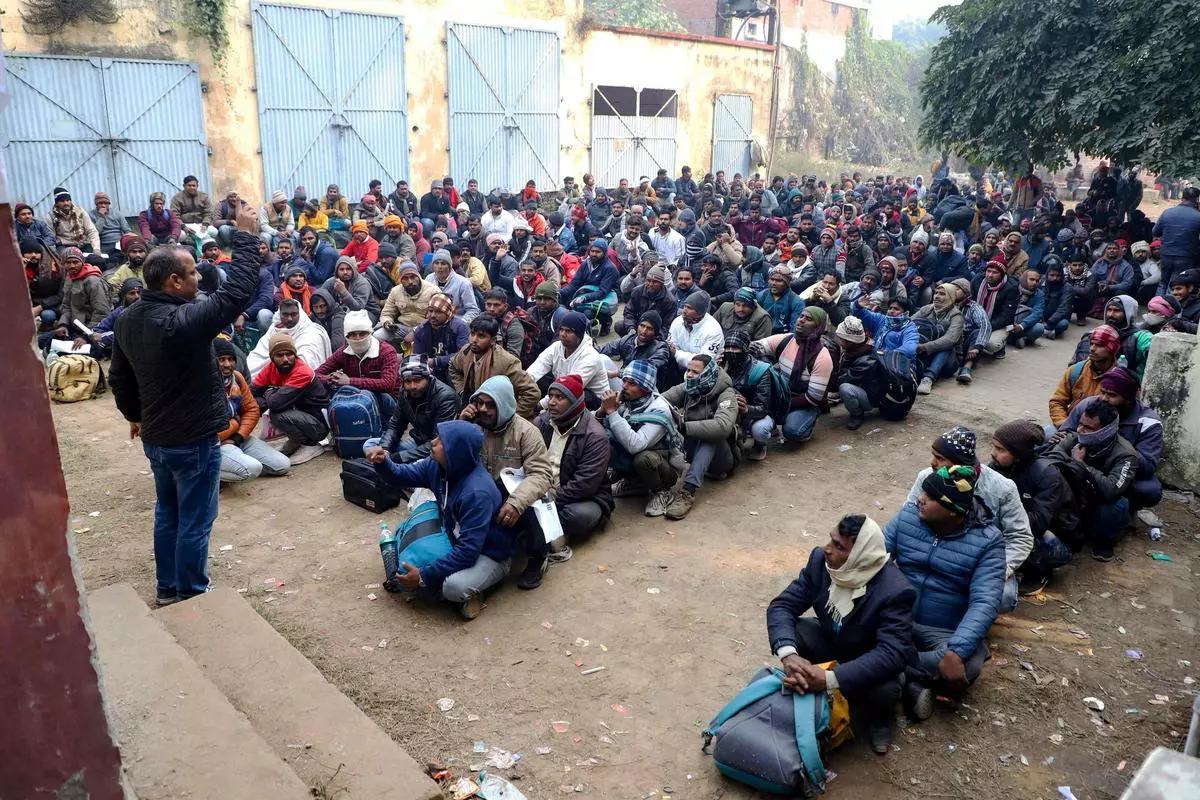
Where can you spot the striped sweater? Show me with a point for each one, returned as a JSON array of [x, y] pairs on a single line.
[[816, 374]]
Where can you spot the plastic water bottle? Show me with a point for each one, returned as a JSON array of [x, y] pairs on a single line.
[[1156, 534], [387, 548]]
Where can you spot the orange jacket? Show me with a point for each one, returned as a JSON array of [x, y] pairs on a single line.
[[243, 409]]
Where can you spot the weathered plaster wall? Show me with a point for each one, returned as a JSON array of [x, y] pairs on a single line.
[[699, 69], [1172, 388]]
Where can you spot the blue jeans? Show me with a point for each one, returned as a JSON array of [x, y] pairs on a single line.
[[854, 398], [940, 365], [930, 646], [1030, 334], [761, 431], [386, 405], [1061, 326], [186, 479], [1110, 521], [1049, 552], [798, 425]]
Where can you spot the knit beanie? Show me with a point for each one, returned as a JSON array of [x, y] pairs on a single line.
[[547, 289], [494, 238], [952, 487], [224, 347], [699, 300], [1065, 236], [653, 317], [851, 330], [963, 284], [920, 236], [1020, 437], [1122, 382], [388, 250], [958, 445], [746, 295], [281, 342], [30, 245], [571, 387], [442, 255], [575, 322], [656, 274], [1166, 307], [356, 321]]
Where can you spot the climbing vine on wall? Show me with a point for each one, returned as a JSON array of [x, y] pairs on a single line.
[[206, 19]]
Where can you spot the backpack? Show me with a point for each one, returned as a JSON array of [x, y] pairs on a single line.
[[901, 391], [74, 377], [529, 347], [772, 740], [353, 418], [421, 538], [605, 307], [780, 393], [928, 329]]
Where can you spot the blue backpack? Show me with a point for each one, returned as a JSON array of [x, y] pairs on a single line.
[[772, 740], [353, 418], [420, 539]]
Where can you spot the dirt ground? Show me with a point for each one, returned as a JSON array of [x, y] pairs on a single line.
[[674, 612]]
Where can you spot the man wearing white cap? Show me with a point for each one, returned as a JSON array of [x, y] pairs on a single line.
[[365, 363], [275, 220]]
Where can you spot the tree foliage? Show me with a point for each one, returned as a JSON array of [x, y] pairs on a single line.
[[645, 14], [1012, 82], [917, 33]]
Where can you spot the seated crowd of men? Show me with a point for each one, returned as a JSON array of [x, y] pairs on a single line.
[[740, 309]]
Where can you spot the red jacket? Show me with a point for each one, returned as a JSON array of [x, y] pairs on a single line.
[[378, 373], [365, 253]]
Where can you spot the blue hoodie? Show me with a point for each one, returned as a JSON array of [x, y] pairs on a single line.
[[889, 333], [466, 495]]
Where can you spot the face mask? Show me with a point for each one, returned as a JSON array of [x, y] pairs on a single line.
[[412, 291], [735, 361], [359, 347]]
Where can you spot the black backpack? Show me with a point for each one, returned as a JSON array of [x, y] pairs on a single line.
[[901, 391]]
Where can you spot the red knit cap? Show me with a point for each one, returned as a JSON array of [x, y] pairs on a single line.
[[571, 386], [1107, 336]]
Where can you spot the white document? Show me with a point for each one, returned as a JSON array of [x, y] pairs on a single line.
[[544, 510], [68, 346]]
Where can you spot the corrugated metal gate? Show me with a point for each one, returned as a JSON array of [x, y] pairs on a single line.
[[71, 123], [733, 119], [332, 102], [504, 105], [633, 132]]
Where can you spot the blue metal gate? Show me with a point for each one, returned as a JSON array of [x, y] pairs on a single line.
[[332, 102], [504, 105], [733, 143], [71, 123]]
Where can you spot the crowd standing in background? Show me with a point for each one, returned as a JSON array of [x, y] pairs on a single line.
[[645, 341]]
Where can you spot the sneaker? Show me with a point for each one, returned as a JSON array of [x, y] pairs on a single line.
[[306, 453], [855, 422], [164, 598], [1000, 354], [1031, 584], [925, 386], [658, 503], [1051, 334], [533, 574], [1102, 552], [757, 452], [918, 701], [1019, 344], [627, 487], [289, 446], [471, 608], [964, 375], [681, 504], [881, 738]]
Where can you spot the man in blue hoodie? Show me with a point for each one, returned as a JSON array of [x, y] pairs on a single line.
[[481, 550], [954, 557]]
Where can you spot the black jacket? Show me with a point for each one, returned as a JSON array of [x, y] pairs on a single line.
[[1004, 310], [1043, 492], [863, 371], [164, 373], [639, 303], [1059, 299], [583, 471], [874, 641], [432, 207], [440, 404]]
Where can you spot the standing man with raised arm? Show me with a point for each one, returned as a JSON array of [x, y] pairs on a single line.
[[166, 382]]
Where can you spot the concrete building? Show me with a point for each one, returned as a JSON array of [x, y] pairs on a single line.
[[348, 90]]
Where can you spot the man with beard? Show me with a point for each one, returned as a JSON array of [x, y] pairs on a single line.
[[643, 343], [85, 297], [546, 314], [707, 403], [997, 293], [511, 442], [501, 267], [434, 203], [807, 367], [647, 450], [135, 256], [744, 315], [1137, 424], [578, 451], [943, 264], [481, 550], [1108, 464], [694, 331], [244, 456], [855, 257], [44, 278], [71, 225], [593, 281], [1149, 274], [599, 211], [406, 306], [402, 245], [365, 363], [651, 295], [1114, 275], [629, 246], [286, 258], [362, 248], [319, 253], [457, 288], [1027, 325], [102, 334], [310, 339], [1120, 313], [1179, 229], [667, 241], [291, 391], [165, 382], [1058, 298], [546, 267], [694, 241], [440, 336], [421, 405], [573, 354], [755, 398], [350, 290], [482, 358], [402, 202]]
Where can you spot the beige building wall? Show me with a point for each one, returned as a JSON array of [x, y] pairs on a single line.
[[697, 67]]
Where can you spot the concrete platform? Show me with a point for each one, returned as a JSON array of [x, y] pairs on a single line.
[[289, 702], [179, 736]]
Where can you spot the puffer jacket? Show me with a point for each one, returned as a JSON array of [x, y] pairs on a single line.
[[959, 578], [420, 417], [711, 417]]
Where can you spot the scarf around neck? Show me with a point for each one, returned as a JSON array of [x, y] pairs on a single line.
[[987, 295], [702, 384], [849, 582]]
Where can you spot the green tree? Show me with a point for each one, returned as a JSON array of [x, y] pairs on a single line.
[[916, 33], [1113, 78], [650, 15]]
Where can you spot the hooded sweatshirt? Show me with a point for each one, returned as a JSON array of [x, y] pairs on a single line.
[[586, 362], [466, 495]]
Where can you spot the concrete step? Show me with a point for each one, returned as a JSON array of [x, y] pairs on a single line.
[[289, 702], [179, 737]]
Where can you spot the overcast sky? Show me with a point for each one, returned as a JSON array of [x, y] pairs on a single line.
[[889, 12]]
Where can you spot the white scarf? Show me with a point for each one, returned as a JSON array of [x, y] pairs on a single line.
[[867, 557]]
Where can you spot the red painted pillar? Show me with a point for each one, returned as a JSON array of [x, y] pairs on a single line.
[[54, 740]]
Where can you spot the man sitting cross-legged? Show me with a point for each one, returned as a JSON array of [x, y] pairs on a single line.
[[290, 390], [243, 455], [863, 606]]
